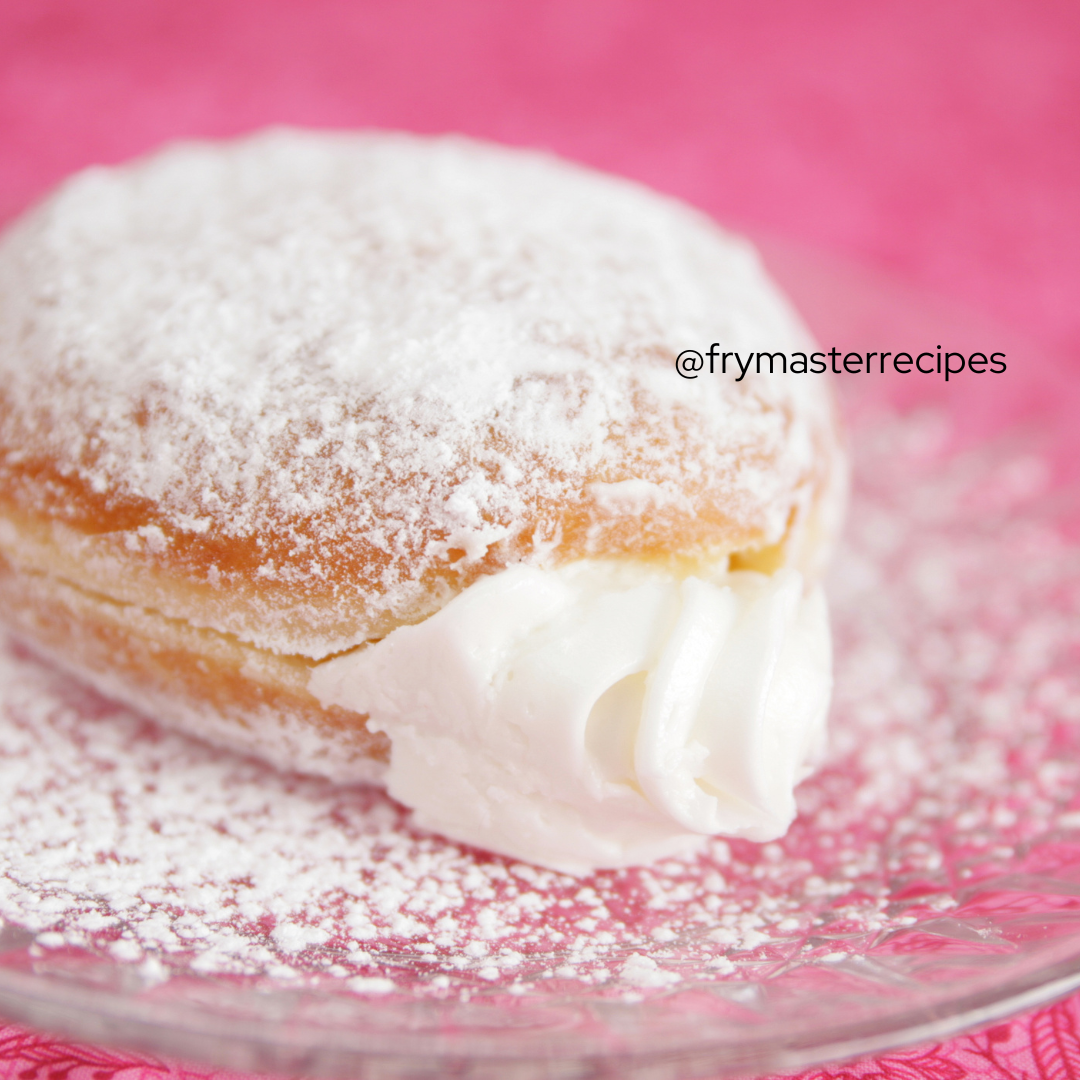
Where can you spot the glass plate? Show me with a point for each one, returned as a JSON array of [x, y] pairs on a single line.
[[164, 896]]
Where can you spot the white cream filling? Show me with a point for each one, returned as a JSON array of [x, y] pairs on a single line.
[[602, 714]]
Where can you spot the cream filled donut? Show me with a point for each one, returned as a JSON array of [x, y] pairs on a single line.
[[367, 453]]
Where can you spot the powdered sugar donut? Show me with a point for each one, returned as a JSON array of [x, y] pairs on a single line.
[[267, 402]]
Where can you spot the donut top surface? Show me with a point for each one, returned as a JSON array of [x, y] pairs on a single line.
[[304, 387]]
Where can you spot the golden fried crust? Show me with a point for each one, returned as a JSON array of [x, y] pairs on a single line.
[[57, 525], [207, 683]]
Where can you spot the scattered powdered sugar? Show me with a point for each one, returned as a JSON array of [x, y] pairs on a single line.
[[954, 770]]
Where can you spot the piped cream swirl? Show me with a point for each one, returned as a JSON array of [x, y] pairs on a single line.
[[602, 714]]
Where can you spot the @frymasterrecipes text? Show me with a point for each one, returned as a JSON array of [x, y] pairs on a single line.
[[691, 363]]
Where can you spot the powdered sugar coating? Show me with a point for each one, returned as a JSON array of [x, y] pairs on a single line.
[[338, 376]]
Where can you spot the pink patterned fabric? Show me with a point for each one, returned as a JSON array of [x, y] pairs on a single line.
[[1043, 1045], [941, 141]]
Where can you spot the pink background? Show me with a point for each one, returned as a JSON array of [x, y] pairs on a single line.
[[936, 141]]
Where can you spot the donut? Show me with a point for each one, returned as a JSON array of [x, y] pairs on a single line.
[[273, 409]]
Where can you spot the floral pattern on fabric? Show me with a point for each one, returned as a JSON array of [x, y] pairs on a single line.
[[1044, 1045]]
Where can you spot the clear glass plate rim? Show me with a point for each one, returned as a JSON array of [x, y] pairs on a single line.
[[184, 1031]]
